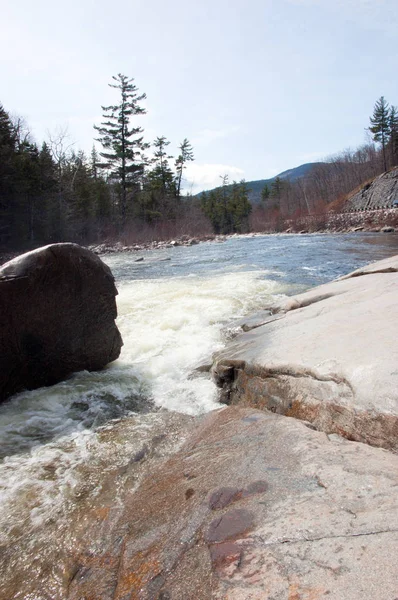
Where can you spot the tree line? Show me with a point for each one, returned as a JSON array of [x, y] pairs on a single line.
[[53, 193], [227, 207], [133, 191], [326, 186]]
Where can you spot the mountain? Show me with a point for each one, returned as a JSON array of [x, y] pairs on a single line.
[[256, 186]]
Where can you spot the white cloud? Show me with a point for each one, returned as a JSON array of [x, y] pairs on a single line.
[[207, 176]]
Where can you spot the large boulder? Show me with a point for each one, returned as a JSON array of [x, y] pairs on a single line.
[[328, 356], [57, 316]]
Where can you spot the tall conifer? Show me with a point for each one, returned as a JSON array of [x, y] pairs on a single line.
[[380, 125], [186, 155], [123, 145]]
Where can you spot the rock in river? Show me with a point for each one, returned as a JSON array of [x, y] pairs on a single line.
[[328, 356], [57, 316]]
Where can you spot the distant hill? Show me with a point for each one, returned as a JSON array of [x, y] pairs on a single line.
[[256, 186]]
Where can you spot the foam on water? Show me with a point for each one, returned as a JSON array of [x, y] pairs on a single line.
[[169, 326], [60, 445]]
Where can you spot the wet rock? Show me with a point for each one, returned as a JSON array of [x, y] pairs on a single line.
[[57, 316], [388, 229], [224, 554], [231, 525], [139, 259], [324, 522], [223, 497]]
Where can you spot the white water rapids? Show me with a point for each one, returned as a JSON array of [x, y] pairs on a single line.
[[49, 440], [65, 450]]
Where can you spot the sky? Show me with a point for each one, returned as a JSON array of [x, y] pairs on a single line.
[[257, 86]]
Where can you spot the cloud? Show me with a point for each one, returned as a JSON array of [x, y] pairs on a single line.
[[207, 176]]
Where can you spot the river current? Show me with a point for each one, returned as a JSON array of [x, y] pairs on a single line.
[[176, 308]]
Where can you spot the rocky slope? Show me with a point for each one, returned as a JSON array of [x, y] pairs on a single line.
[[382, 193]]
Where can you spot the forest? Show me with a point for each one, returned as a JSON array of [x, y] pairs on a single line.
[[128, 189]]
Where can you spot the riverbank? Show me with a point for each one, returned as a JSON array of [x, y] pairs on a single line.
[[239, 503], [258, 505], [327, 356], [377, 221]]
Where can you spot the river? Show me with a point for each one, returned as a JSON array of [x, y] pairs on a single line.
[[176, 308]]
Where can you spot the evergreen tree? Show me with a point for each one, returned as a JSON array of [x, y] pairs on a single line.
[[123, 145], [239, 207], [186, 155], [380, 125], [227, 207], [276, 188], [26, 209], [48, 194], [393, 131], [162, 164], [95, 161], [158, 197], [265, 193], [7, 174]]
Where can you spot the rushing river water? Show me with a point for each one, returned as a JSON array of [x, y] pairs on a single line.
[[57, 444]]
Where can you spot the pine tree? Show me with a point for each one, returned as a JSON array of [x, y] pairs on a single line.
[[227, 207], [380, 125], [7, 151], [265, 193], [123, 145], [186, 155], [162, 164], [239, 207], [95, 161], [393, 131], [48, 194], [276, 188], [7, 174]]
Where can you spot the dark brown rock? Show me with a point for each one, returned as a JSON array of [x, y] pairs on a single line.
[[257, 487], [231, 525], [57, 316], [224, 554], [223, 497]]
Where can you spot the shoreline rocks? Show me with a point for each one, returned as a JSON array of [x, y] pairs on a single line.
[[253, 506], [340, 223], [185, 240], [57, 316], [327, 356]]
